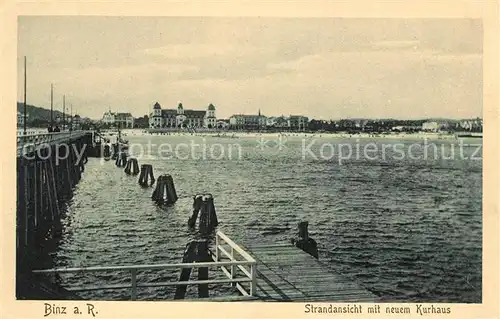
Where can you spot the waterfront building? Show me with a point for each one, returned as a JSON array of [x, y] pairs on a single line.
[[247, 122], [76, 122], [180, 117], [20, 118], [223, 124], [298, 122], [471, 125], [292, 122], [124, 120], [430, 126]]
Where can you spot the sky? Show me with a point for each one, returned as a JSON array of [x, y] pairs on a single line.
[[323, 68]]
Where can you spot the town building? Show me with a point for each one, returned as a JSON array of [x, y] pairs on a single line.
[[474, 125], [430, 126], [123, 120], [76, 122], [223, 124], [247, 122], [292, 122], [182, 118], [298, 122], [20, 118]]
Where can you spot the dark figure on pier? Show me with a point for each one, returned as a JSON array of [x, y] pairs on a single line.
[[305, 243], [57, 129], [50, 129]]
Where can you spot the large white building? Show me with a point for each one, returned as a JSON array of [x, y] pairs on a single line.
[[123, 120], [180, 117], [248, 122]]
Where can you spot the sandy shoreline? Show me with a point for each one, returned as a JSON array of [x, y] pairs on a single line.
[[253, 135]]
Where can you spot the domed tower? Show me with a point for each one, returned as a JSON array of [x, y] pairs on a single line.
[[211, 111], [157, 109], [180, 109], [155, 121], [210, 120]]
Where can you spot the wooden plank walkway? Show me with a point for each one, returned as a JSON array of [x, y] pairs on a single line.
[[286, 273]]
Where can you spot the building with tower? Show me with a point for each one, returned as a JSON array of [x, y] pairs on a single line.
[[182, 118]]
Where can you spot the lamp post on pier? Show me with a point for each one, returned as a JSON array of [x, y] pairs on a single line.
[[24, 107]]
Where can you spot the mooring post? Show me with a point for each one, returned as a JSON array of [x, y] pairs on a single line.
[[115, 151], [164, 192], [121, 159], [189, 257], [132, 167], [107, 152], [197, 203], [203, 256], [304, 242], [146, 178], [208, 216]]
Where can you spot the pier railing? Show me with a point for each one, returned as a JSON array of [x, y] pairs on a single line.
[[31, 142], [221, 241]]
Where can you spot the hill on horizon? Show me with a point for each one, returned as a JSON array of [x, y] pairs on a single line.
[[38, 113]]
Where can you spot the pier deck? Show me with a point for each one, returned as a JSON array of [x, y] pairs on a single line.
[[273, 272], [286, 273]]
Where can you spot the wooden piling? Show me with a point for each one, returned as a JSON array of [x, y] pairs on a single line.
[[121, 159], [196, 251], [189, 256], [116, 150], [164, 192], [202, 256], [107, 152], [203, 206], [146, 178], [132, 167], [197, 203]]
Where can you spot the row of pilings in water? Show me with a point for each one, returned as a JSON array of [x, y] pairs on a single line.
[[166, 194], [203, 211]]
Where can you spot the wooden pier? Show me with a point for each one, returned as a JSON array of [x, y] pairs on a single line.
[[286, 273], [258, 272]]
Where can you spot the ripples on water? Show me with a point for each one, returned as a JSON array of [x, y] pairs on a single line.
[[407, 230]]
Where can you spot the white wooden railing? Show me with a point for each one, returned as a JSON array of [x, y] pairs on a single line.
[[221, 243], [222, 240], [31, 142]]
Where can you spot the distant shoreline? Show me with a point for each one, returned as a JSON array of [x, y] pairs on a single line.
[[242, 134]]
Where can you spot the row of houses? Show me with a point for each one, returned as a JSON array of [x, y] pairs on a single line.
[[259, 121], [73, 122], [180, 117]]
